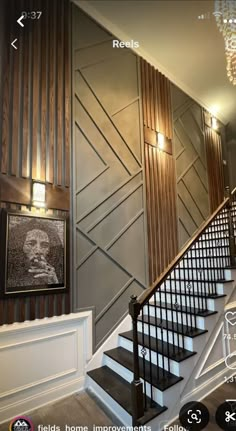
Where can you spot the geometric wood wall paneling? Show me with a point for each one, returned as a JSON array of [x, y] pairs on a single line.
[[159, 170], [191, 165], [108, 191], [35, 97], [215, 167]]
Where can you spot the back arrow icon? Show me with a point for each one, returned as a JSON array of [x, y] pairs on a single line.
[[12, 44], [20, 19]]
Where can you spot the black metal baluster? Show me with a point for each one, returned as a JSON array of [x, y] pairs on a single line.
[[194, 299], [156, 338], [171, 284], [167, 332], [189, 271], [181, 310], [144, 352], [197, 290], [136, 385], [150, 355], [161, 329]]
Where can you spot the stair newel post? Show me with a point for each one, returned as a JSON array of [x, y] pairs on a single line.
[[136, 385], [232, 246]]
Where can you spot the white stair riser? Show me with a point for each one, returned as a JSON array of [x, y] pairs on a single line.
[[198, 262], [196, 287], [212, 243], [162, 398], [171, 337], [111, 404], [177, 316], [187, 301], [128, 376], [200, 274], [199, 253], [220, 288], [216, 233], [177, 368]]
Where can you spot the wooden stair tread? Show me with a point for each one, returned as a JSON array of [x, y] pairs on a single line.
[[161, 379], [183, 308], [191, 280], [166, 349], [120, 390], [173, 326], [188, 293]]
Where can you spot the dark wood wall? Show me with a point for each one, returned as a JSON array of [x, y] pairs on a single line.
[[160, 171], [214, 157], [35, 93], [35, 99]]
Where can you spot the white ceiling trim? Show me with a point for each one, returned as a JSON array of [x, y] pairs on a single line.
[[116, 31]]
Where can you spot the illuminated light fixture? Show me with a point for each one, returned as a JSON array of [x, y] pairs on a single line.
[[214, 109], [214, 123], [225, 15], [39, 195], [160, 141]]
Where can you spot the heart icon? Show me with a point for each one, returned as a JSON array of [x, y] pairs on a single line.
[[230, 361], [231, 317]]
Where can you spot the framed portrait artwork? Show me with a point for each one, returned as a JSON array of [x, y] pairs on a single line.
[[33, 253]]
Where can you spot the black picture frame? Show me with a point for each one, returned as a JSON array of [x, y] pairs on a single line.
[[34, 253]]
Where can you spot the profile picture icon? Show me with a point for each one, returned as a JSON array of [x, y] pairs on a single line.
[[21, 423]]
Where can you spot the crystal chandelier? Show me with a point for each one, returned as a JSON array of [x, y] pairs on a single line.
[[225, 15]]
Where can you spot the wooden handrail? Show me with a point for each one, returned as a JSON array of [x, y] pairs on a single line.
[[148, 293], [233, 191]]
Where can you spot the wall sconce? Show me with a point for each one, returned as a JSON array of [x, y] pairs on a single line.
[[160, 141], [214, 123], [39, 194]]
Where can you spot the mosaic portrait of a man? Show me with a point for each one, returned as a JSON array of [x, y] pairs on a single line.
[[35, 253]]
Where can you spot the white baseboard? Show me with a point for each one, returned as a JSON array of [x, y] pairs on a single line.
[[43, 361]]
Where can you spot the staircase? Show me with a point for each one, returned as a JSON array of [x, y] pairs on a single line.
[[142, 378]]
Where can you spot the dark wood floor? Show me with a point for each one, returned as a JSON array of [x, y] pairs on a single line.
[[83, 410]]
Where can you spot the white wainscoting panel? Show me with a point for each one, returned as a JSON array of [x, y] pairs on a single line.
[[42, 361]]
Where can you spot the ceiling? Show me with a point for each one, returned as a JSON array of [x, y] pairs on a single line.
[[190, 51]]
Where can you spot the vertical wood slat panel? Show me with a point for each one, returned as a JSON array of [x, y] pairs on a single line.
[[149, 226], [153, 208], [44, 94], [160, 173], [60, 68], [10, 311], [215, 167], [67, 81], [25, 143], [156, 120], [21, 307], [21, 107], [152, 98], [50, 177], [24, 127], [15, 114], [6, 93], [35, 101], [146, 76], [144, 98], [156, 99]]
